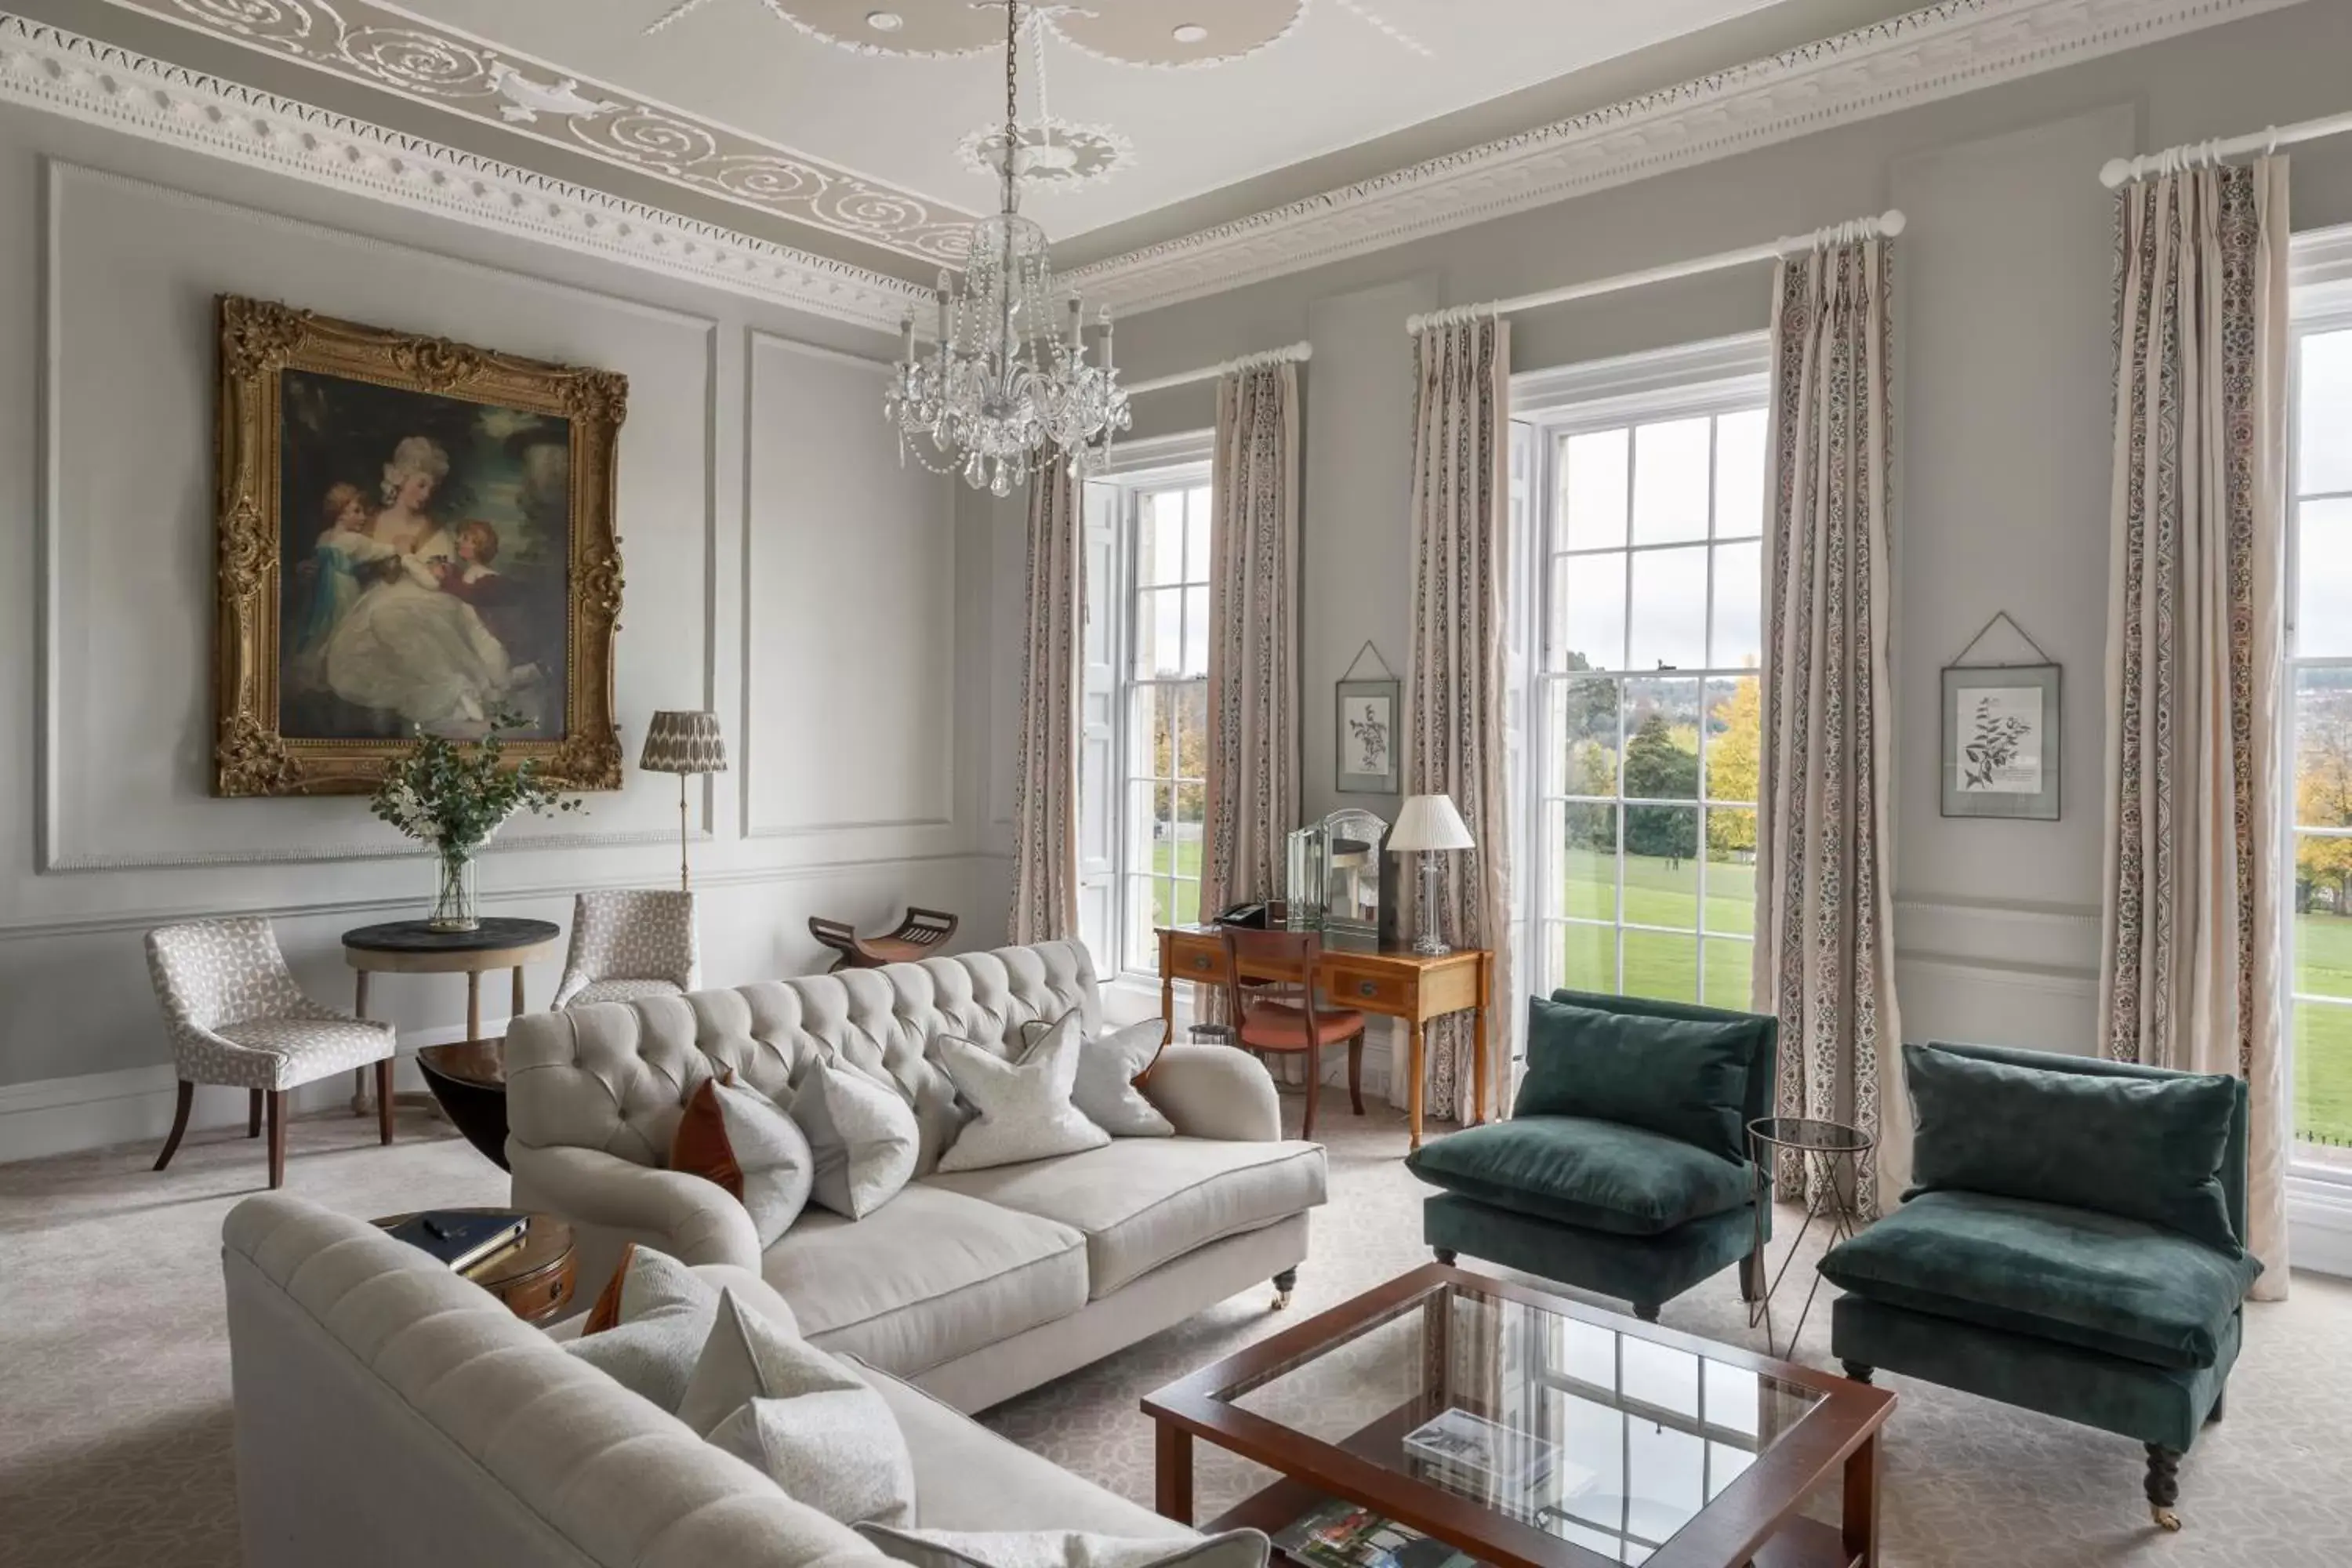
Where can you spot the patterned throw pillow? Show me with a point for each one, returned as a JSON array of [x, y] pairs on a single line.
[[737, 1137], [1109, 1068], [1064, 1549], [861, 1135], [648, 1326], [816, 1427], [1024, 1110]]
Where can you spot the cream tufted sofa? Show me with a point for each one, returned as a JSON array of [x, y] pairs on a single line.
[[975, 1285]]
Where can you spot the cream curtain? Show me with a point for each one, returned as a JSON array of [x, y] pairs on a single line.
[[1460, 502], [1045, 780], [2191, 921], [1824, 884]]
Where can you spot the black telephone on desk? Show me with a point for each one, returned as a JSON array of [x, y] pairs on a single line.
[[1248, 917]]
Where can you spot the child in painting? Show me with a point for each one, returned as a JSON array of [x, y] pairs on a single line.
[[474, 578], [334, 573]]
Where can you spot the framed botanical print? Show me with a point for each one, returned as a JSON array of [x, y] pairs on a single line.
[[1367, 761], [2000, 740], [414, 535]]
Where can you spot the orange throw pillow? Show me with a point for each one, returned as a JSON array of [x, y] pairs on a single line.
[[732, 1135]]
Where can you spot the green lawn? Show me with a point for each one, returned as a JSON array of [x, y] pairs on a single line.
[[2323, 1034]]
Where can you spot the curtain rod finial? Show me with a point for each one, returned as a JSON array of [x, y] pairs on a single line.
[[2115, 171], [1891, 222]]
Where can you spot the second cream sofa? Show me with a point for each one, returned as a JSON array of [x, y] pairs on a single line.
[[974, 1285]]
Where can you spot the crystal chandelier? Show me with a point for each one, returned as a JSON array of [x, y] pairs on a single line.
[[1001, 383]]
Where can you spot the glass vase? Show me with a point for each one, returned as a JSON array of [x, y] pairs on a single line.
[[453, 908]]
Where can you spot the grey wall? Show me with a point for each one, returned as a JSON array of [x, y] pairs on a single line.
[[781, 568], [2002, 363]]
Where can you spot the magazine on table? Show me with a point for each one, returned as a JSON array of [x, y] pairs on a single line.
[[1338, 1534], [1460, 1448]]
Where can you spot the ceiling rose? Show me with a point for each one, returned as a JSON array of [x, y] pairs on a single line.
[[1206, 32], [1054, 156]]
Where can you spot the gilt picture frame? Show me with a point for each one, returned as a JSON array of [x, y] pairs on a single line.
[[2001, 742], [411, 533]]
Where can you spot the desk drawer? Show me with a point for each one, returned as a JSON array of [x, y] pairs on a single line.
[[1195, 962], [1368, 990]]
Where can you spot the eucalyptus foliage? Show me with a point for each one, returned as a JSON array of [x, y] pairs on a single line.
[[454, 797]]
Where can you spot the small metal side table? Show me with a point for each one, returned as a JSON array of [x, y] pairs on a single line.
[[1822, 1147]]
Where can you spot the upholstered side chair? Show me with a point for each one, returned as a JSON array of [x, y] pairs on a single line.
[[629, 943], [1277, 1011], [238, 1020]]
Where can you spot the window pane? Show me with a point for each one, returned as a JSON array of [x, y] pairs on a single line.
[[1662, 967], [1159, 539], [1731, 871], [1589, 631], [1588, 958], [1592, 489], [1196, 535], [1193, 732], [1588, 860], [2324, 444], [1159, 633], [2323, 1080], [1735, 729], [1662, 738], [1662, 865], [1163, 826], [1584, 730], [1739, 474], [1729, 966], [2322, 565], [1670, 481], [1739, 608], [1196, 631], [1669, 628], [1141, 828], [1142, 914], [2322, 753], [1163, 733], [2323, 917], [1184, 847], [1184, 899], [1163, 901]]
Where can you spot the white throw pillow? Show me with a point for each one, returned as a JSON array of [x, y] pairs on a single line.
[[648, 1327], [1065, 1549], [863, 1137], [735, 1136], [1024, 1110], [1110, 1066], [807, 1421]]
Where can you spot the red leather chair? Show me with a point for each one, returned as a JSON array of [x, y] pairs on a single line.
[[1280, 1014]]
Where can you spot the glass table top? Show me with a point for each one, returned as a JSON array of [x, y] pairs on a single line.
[[1811, 1132], [1597, 1436]]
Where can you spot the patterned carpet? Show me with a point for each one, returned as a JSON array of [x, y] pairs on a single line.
[[114, 1422]]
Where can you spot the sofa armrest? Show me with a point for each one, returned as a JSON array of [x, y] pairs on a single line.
[[1214, 1091], [696, 1221]]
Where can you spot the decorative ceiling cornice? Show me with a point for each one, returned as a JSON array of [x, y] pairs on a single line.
[[1952, 46], [425, 61], [50, 68]]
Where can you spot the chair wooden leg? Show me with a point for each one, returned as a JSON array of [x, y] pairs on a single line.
[[384, 1101], [253, 1113], [1314, 1093], [179, 1124], [276, 1139], [2163, 1485], [1356, 1072]]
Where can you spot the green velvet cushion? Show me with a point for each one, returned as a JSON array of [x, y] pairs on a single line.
[[2147, 1149], [1598, 1175], [2120, 1286], [1682, 1079]]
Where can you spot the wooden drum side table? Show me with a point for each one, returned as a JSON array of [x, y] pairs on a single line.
[[535, 1278], [413, 947]]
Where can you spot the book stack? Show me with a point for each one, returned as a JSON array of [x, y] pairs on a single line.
[[462, 1238], [1338, 1534]]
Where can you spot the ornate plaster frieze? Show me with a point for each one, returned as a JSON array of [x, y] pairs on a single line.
[[1948, 47], [1205, 33], [65, 73], [385, 46]]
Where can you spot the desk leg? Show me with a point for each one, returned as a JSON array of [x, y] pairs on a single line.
[[1478, 1056], [1172, 1472], [359, 1075], [515, 1010], [1861, 1523], [1412, 1068], [1167, 988]]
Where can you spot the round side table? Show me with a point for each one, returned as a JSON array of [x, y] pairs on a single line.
[[413, 947], [535, 1278], [469, 1079], [1829, 1157]]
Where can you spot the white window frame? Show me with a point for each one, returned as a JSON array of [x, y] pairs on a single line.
[[1114, 508], [1723, 375]]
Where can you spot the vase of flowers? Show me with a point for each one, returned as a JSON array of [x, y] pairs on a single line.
[[453, 798]]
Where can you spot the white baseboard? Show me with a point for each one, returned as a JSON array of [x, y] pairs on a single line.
[[2319, 1228], [96, 1110]]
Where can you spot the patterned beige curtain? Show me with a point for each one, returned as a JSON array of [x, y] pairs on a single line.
[[2191, 948], [1461, 503], [1045, 783], [1824, 883]]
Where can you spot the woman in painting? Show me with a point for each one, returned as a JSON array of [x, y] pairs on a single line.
[[406, 646]]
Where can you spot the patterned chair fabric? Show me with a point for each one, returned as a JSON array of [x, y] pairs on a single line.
[[627, 945], [238, 1019]]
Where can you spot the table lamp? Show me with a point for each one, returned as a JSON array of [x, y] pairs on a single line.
[[1428, 826], [683, 743]]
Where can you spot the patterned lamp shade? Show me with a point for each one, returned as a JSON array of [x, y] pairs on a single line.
[[684, 742]]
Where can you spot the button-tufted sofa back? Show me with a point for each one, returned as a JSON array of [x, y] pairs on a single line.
[[613, 1076]]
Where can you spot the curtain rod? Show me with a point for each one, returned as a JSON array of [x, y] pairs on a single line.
[[2194, 155], [1295, 354], [1888, 224]]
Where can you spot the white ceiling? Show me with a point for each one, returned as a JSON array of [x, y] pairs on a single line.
[[872, 121]]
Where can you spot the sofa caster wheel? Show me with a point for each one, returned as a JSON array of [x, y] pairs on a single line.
[[1283, 1283], [1646, 1311], [2166, 1520], [1445, 1255], [2163, 1485], [1858, 1371]]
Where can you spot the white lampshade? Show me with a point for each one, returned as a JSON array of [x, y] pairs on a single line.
[[1429, 822]]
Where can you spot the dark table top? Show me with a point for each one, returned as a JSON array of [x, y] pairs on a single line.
[[417, 936]]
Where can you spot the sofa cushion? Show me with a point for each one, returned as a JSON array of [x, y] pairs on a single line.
[[1111, 1065], [731, 1135], [1679, 1076], [1597, 1175], [2077, 1275], [648, 1325], [2145, 1149], [862, 1136], [931, 1276], [1022, 1107], [1142, 1202]]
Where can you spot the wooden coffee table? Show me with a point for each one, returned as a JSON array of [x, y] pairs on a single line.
[[1646, 1445]]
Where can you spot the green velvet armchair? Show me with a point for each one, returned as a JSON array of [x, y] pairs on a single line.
[[2072, 1243], [1622, 1169]]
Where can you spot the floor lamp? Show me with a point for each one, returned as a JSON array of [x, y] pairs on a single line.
[[684, 743], [1429, 825]]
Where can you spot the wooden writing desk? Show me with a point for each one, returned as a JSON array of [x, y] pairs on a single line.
[[1393, 982]]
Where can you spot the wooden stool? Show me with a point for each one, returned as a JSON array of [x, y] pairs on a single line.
[[917, 935]]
